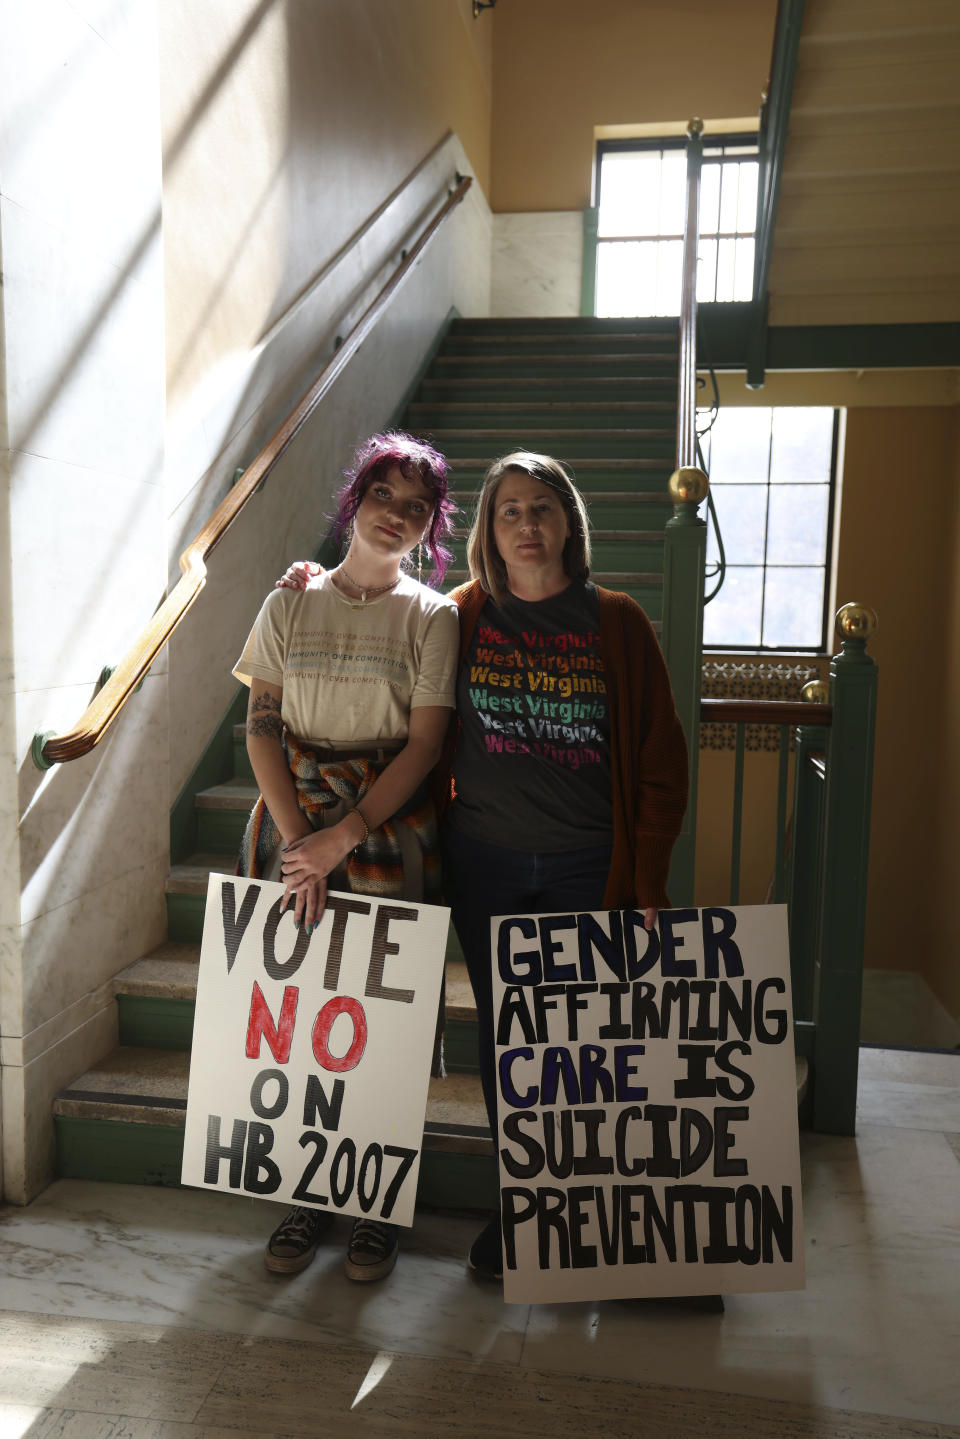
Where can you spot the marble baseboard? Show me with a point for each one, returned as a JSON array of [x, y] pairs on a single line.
[[29, 1148]]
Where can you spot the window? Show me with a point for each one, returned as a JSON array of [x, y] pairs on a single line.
[[772, 474], [641, 192]]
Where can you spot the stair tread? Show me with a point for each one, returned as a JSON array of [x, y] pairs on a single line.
[[631, 497], [192, 876], [171, 970], [587, 357], [234, 794], [509, 407], [555, 433], [458, 462], [149, 1086], [167, 972]]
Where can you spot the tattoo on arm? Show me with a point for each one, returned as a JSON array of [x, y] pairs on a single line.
[[265, 726], [264, 720]]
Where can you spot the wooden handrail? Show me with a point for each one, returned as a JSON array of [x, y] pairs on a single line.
[[791, 712], [50, 749]]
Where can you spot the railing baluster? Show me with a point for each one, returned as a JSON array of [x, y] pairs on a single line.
[[737, 816]]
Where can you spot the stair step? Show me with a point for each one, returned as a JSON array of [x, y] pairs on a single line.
[[511, 363], [148, 1087], [222, 813], [655, 445], [233, 794], [587, 408], [574, 324], [564, 343], [190, 878], [170, 972]]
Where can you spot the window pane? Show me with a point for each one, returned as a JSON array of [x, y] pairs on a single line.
[[797, 533], [726, 258], [628, 193], [673, 192], [706, 272], [802, 445], [733, 618], [743, 268], [729, 197], [741, 449], [709, 199], [747, 201], [742, 515], [793, 607], [669, 277], [626, 279]]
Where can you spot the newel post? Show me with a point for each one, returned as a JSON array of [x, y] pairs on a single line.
[[844, 862], [684, 564]]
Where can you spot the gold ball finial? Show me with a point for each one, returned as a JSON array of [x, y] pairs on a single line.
[[856, 621], [695, 126], [815, 692], [688, 486]]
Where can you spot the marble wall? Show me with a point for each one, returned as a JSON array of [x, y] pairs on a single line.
[[82, 552], [537, 263]]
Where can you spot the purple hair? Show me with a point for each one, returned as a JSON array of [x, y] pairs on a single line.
[[415, 460]]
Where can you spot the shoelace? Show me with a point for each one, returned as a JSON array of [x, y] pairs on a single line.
[[372, 1237], [298, 1225]]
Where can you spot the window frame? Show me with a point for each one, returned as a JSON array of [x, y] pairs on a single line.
[[737, 141], [829, 555]]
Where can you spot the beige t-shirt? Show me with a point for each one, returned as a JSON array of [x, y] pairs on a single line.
[[351, 673]]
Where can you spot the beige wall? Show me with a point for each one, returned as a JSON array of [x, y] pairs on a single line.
[[947, 856], [562, 67], [285, 124], [900, 556]]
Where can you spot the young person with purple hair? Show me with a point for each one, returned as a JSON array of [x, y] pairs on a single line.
[[352, 681]]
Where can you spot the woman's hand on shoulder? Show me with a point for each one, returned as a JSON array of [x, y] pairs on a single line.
[[299, 575]]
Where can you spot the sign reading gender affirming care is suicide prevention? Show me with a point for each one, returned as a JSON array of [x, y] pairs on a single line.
[[647, 1104], [311, 1052]]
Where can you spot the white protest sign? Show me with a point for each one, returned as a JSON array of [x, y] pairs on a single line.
[[647, 1104], [311, 1052]]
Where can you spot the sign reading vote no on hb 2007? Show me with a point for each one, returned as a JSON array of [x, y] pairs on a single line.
[[311, 1052], [647, 1104]]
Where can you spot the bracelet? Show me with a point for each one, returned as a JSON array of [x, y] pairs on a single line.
[[366, 828]]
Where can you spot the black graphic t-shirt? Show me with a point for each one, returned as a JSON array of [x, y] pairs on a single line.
[[532, 767]]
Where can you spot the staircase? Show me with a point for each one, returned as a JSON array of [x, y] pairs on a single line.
[[599, 395]]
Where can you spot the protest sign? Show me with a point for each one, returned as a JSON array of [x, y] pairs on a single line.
[[647, 1104], [311, 1052]]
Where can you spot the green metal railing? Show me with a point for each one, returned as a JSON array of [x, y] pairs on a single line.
[[820, 854], [686, 534]]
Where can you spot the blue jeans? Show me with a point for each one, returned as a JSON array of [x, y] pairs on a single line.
[[481, 880]]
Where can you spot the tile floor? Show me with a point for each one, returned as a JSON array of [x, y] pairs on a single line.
[[131, 1313]]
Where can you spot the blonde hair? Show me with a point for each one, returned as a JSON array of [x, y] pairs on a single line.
[[483, 557]]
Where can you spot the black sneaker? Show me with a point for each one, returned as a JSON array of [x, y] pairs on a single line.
[[372, 1250], [293, 1243], [486, 1253]]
